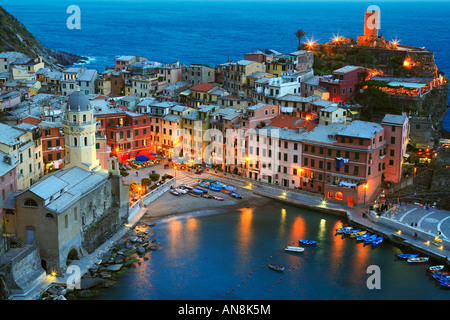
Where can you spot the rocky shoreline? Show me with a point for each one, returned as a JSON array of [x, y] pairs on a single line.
[[132, 249]]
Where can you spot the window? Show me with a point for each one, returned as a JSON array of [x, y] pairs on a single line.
[[30, 203], [49, 216], [392, 140]]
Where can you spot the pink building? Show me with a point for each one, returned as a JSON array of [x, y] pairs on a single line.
[[257, 114], [9, 100], [8, 185], [396, 129]]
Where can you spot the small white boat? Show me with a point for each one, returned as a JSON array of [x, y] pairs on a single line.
[[436, 268], [179, 190], [418, 259], [344, 229], [294, 249]]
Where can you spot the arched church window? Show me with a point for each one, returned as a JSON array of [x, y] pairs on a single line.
[[84, 118], [85, 141], [74, 118], [75, 142]]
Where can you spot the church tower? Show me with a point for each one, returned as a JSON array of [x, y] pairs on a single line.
[[79, 132]]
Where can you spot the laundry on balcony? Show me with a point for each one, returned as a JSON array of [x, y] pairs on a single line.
[[347, 184], [338, 162]]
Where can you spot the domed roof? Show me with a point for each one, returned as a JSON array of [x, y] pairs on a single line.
[[78, 101]]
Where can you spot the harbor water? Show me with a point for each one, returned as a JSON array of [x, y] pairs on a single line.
[[224, 255]]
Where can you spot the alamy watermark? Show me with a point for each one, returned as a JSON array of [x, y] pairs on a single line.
[[374, 280], [374, 21], [74, 20], [74, 279]]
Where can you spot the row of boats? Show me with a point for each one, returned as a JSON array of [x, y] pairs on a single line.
[[206, 186], [361, 235], [278, 267]]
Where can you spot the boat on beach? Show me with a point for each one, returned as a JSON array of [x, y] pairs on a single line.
[[294, 249], [418, 259], [194, 194], [220, 198], [225, 190], [200, 190], [213, 188], [181, 190], [235, 195], [276, 267], [174, 192], [206, 196]]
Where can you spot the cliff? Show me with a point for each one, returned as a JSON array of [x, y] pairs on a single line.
[[15, 37]]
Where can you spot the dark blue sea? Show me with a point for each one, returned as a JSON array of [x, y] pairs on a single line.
[[211, 32]]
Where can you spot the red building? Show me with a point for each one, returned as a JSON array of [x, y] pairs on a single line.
[[342, 84], [344, 162]]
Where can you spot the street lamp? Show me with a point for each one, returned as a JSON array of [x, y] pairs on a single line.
[[365, 193]]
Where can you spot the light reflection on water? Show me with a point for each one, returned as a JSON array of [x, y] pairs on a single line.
[[204, 257]]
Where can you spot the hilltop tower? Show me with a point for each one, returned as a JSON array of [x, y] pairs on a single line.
[[79, 131], [371, 29]]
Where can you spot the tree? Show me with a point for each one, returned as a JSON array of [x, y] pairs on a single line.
[[154, 176], [300, 34]]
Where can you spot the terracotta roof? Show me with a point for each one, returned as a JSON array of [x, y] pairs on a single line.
[[291, 122], [203, 87]]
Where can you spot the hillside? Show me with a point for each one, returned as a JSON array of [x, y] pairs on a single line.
[[15, 37]]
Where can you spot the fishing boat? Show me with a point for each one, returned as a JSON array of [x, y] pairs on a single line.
[[377, 241], [235, 195], [441, 277], [181, 190], [206, 196], [307, 241], [342, 230], [225, 190], [362, 237], [407, 255], [213, 188], [230, 187], [187, 187], [355, 234], [294, 249], [436, 268], [194, 194], [174, 192], [276, 267], [445, 285], [418, 259], [370, 239], [203, 184], [219, 184], [350, 231], [220, 198], [200, 190], [433, 272]]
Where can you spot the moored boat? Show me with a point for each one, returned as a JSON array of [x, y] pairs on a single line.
[[436, 268], [204, 185], [433, 272], [407, 255], [174, 192], [307, 241], [370, 239], [206, 196], [350, 231], [377, 241], [355, 234], [344, 229], [294, 249], [225, 190], [418, 259], [363, 237], [276, 267], [181, 190]]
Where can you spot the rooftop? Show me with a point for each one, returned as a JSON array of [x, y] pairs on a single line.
[[394, 119], [361, 129]]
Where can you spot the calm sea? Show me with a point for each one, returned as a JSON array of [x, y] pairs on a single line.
[[211, 32], [224, 256]]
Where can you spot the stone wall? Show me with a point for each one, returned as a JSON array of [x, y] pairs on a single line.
[[441, 175]]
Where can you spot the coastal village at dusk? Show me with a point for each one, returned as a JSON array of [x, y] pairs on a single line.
[[90, 160]]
